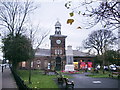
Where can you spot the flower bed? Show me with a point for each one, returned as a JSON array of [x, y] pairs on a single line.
[[72, 72]]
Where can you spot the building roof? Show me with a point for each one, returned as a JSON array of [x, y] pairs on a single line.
[[43, 52], [57, 35], [57, 24], [81, 54], [46, 52]]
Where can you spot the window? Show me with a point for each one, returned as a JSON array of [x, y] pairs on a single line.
[[45, 63], [60, 51], [55, 51], [38, 62], [31, 64], [89, 60], [23, 64], [38, 66], [75, 60]]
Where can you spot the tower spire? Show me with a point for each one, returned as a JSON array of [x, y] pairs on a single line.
[[57, 28]]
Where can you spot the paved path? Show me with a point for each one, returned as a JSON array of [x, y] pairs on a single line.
[[8, 80], [82, 81], [0, 77]]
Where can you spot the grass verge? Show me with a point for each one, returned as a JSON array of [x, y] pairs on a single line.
[[38, 80], [100, 75]]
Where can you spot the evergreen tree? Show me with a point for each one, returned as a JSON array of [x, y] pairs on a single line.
[[17, 48]]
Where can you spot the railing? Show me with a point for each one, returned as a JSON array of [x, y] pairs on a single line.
[[19, 81]]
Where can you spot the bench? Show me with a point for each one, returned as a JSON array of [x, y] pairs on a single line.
[[114, 74], [60, 78], [50, 72], [69, 83]]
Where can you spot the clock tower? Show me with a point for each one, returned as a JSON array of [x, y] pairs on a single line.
[[58, 53]]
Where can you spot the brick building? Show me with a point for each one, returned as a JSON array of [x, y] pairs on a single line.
[[55, 57]]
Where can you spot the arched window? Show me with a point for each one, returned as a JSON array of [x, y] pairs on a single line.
[[45, 63], [23, 64], [32, 64], [60, 51], [38, 66], [38, 62]]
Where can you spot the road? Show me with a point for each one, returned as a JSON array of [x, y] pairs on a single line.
[[82, 81]]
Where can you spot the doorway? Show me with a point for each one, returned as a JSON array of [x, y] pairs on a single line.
[[58, 63]]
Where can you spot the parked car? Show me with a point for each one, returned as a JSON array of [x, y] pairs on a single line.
[[118, 67], [106, 68], [97, 67], [113, 67]]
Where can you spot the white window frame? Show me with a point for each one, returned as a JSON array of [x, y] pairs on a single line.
[[60, 51], [32, 64], [55, 51]]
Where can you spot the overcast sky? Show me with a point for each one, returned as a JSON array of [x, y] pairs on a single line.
[[50, 11], [47, 15]]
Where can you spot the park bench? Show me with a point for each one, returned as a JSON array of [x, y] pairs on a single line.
[[114, 74], [60, 78], [69, 83], [49, 72]]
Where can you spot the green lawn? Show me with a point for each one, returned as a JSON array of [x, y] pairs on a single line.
[[100, 74], [38, 80]]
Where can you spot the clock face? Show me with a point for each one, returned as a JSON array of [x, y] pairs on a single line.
[[58, 41]]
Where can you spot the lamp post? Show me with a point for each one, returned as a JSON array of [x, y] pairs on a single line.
[[30, 71], [31, 56], [30, 60]]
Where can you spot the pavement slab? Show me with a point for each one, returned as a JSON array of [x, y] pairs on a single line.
[[8, 79], [0, 78]]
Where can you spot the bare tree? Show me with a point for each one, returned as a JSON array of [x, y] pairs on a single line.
[[105, 12], [37, 36], [36, 41], [13, 15], [100, 40], [13, 18]]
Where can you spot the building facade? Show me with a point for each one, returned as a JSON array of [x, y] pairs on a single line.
[[55, 57], [58, 53]]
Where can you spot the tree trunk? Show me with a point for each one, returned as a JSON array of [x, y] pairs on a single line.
[[14, 66], [103, 63]]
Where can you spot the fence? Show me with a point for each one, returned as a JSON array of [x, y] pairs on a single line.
[[19, 81]]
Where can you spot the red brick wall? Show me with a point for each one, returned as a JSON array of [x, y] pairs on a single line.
[[44, 60]]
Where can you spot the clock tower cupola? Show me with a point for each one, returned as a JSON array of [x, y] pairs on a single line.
[[58, 55], [57, 28]]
